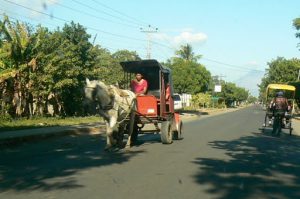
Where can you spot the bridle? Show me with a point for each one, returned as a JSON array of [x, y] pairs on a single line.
[[108, 106]]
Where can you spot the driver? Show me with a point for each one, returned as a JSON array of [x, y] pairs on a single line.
[[279, 104], [139, 85]]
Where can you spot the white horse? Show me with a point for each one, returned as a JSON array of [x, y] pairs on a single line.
[[115, 106]]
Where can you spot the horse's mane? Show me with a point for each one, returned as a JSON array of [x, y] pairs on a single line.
[[95, 83], [99, 91]]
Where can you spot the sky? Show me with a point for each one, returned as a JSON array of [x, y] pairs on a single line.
[[236, 38]]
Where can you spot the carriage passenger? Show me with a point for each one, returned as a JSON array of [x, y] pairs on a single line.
[[139, 85]]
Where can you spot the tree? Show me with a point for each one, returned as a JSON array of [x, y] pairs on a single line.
[[251, 99], [16, 60], [186, 52], [68, 64], [201, 100], [232, 93], [281, 71], [126, 55], [189, 76], [296, 24]]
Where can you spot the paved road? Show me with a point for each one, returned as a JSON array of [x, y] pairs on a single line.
[[224, 156]]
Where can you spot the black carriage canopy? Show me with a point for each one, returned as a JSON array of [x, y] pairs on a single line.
[[149, 69], [143, 66]]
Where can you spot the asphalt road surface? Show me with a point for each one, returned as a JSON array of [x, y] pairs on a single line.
[[224, 156]]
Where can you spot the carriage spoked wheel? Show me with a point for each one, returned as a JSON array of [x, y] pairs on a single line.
[[166, 134]]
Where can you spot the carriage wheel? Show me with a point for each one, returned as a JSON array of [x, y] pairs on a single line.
[[177, 134], [166, 134]]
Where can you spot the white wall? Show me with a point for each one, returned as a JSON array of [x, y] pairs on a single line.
[[186, 99]]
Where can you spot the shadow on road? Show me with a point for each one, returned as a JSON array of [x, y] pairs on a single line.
[[53, 164], [259, 166]]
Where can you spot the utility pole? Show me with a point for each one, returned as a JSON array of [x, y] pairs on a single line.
[[220, 76], [149, 31]]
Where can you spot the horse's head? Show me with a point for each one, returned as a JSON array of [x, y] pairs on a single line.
[[96, 93]]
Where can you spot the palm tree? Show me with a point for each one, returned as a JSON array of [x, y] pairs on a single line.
[[15, 56], [186, 52]]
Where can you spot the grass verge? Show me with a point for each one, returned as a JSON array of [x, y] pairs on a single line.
[[19, 124]]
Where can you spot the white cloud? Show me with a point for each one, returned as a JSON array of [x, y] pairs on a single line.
[[252, 63], [191, 38], [186, 36]]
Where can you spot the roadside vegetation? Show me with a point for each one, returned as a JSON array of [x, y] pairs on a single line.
[[39, 122]]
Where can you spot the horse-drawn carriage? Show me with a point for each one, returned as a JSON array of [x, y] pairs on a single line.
[[275, 120], [157, 106], [126, 113]]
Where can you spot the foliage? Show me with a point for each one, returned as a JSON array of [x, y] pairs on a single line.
[[126, 55], [281, 71], [49, 68], [201, 100], [186, 52], [37, 122], [251, 99], [232, 93], [188, 75], [296, 24]]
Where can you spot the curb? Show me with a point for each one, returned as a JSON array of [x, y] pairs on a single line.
[[20, 139]]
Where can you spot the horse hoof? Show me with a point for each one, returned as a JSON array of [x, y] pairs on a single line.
[[107, 148]]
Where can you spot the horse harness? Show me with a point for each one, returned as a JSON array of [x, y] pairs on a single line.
[[110, 105]]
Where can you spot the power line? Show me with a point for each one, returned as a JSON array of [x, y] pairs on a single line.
[[14, 13], [123, 14], [64, 20], [101, 11], [232, 66], [91, 15]]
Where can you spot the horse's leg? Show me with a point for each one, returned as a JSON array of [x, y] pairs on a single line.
[[110, 141], [131, 123]]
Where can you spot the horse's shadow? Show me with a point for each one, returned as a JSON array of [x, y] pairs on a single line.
[[54, 164]]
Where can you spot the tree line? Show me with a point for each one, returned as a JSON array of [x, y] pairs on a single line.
[[41, 68]]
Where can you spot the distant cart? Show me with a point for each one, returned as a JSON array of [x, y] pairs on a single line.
[[157, 106], [273, 120]]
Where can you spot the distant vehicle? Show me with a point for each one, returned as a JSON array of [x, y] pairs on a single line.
[[177, 101], [273, 116]]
